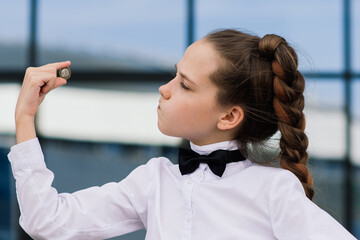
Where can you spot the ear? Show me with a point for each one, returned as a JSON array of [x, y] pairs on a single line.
[[231, 119]]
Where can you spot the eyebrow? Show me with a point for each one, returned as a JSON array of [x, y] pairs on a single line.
[[185, 76]]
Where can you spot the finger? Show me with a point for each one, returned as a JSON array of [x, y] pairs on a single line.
[[47, 87], [58, 65], [38, 78], [49, 81], [59, 82], [52, 84]]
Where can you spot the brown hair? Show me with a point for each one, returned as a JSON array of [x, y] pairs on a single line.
[[261, 76]]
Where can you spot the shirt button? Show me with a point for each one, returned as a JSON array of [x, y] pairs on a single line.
[[188, 218], [189, 182]]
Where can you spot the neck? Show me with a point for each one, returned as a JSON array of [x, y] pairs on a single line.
[[207, 149], [202, 142]]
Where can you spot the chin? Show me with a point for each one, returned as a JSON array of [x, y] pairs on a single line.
[[162, 130], [167, 132]]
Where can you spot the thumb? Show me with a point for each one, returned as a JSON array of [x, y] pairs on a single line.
[[59, 82]]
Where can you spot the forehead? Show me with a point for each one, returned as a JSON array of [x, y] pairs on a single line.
[[200, 60]]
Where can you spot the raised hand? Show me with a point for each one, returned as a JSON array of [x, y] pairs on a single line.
[[38, 82]]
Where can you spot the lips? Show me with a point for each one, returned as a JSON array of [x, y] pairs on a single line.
[[159, 104]]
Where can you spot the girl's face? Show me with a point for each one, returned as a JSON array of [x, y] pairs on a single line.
[[187, 106]]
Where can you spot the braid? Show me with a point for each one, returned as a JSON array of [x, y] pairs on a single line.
[[261, 76], [288, 105]]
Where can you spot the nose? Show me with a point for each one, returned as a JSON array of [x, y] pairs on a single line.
[[164, 90]]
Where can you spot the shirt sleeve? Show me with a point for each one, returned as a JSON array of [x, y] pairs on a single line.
[[94, 213], [294, 216]]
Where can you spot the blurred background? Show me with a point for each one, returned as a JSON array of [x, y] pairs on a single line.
[[102, 125]]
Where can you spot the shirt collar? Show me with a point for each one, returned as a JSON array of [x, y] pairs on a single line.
[[207, 149], [231, 168]]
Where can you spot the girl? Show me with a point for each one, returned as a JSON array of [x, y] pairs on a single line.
[[231, 91]]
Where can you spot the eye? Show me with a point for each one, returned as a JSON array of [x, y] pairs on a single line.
[[184, 86]]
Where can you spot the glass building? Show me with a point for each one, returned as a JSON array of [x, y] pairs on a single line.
[[102, 124]]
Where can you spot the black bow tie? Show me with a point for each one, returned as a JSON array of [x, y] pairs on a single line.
[[189, 160]]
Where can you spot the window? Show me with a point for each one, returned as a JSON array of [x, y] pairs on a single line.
[[112, 35], [315, 32], [14, 34]]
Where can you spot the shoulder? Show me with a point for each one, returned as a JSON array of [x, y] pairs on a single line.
[[149, 175], [281, 184], [160, 163], [274, 178], [156, 167], [270, 173]]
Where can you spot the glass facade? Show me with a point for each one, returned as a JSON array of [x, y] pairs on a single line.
[[112, 35], [355, 26], [14, 21], [132, 46], [324, 113], [305, 24]]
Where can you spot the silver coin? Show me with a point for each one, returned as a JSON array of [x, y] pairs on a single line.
[[65, 73]]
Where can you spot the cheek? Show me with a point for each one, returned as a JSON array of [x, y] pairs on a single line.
[[178, 114], [197, 113]]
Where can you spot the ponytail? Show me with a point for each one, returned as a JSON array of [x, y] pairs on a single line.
[[288, 104], [261, 76]]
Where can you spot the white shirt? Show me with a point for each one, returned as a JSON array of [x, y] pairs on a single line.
[[249, 202]]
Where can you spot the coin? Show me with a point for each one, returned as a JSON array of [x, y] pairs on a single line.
[[65, 73]]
